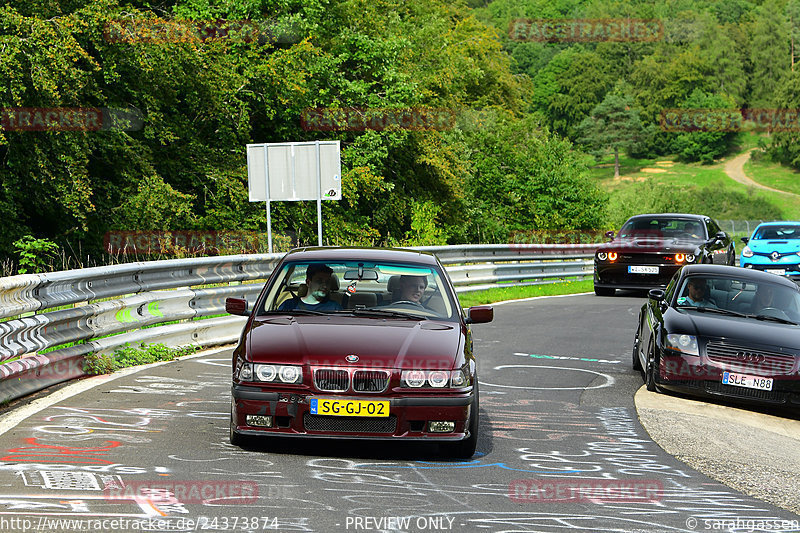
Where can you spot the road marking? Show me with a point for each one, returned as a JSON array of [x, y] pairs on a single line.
[[609, 380], [564, 357], [10, 420]]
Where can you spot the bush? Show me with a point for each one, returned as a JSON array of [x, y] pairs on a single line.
[[130, 356]]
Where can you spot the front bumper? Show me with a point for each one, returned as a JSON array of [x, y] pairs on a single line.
[[789, 269], [691, 375], [616, 275], [408, 415]]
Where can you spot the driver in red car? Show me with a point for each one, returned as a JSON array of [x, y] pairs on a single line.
[[319, 282], [412, 288]]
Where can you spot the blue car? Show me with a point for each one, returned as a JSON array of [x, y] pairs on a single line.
[[773, 247]]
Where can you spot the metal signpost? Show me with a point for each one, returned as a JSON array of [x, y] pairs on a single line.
[[292, 172]]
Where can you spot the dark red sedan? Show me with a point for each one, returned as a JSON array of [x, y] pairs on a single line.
[[357, 343]]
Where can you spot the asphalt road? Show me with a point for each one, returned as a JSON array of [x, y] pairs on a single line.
[[561, 447]]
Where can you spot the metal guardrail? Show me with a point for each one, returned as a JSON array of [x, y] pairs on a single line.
[[98, 310]]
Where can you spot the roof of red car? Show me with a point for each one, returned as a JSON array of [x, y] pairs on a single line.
[[333, 253]]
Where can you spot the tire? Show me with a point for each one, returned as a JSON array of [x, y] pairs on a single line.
[[465, 449], [649, 373], [604, 291], [635, 363]]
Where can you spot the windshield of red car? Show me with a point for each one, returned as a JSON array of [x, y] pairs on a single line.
[[389, 289]]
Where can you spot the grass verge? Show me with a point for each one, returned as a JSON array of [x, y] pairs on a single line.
[[131, 356], [500, 294]]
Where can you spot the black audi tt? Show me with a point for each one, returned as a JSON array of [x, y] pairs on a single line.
[[722, 331], [648, 249]]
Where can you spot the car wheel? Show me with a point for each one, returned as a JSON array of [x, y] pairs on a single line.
[[635, 363], [465, 449], [603, 291], [649, 373]]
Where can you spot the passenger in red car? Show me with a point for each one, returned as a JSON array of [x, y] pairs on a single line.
[[316, 298]]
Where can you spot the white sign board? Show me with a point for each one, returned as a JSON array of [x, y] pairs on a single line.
[[294, 171]]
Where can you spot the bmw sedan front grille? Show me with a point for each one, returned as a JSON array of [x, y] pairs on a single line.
[[750, 360], [331, 380], [370, 380]]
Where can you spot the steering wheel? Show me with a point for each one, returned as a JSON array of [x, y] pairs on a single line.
[[417, 304], [774, 312]]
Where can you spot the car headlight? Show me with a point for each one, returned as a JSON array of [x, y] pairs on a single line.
[[290, 374], [602, 256], [412, 378], [747, 252], [271, 373], [266, 372], [245, 372], [683, 343], [436, 379]]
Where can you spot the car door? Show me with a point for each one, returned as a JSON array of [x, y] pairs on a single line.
[[719, 250]]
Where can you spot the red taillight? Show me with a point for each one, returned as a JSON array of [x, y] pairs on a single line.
[[679, 258], [612, 256]]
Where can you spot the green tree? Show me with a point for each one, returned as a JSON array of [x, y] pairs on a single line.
[[613, 124], [785, 146], [769, 54], [705, 146], [569, 87]]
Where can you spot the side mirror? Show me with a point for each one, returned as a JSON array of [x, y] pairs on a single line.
[[480, 314], [721, 236], [610, 235], [745, 239], [236, 306], [656, 294]]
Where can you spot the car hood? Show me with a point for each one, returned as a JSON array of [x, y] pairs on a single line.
[[650, 244], [734, 329], [769, 246], [378, 343]]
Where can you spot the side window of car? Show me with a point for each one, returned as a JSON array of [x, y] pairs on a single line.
[[670, 290]]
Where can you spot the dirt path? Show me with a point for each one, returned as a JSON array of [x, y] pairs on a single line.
[[735, 170]]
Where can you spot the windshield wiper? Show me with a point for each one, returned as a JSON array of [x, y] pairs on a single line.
[[773, 318], [714, 310], [383, 312], [294, 312]]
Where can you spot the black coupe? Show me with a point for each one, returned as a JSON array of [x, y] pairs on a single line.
[[650, 248], [722, 331]]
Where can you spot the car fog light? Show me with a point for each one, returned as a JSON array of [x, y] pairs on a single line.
[[748, 266], [259, 420], [441, 427]]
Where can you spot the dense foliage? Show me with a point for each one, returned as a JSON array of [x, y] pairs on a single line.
[[507, 164]]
